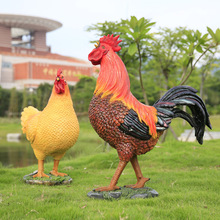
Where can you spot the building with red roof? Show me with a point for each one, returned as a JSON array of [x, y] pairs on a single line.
[[25, 59]]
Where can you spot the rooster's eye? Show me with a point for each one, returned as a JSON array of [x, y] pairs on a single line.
[[103, 47]]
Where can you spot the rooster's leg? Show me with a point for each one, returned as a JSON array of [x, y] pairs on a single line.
[[55, 169], [40, 172], [140, 179], [112, 186]]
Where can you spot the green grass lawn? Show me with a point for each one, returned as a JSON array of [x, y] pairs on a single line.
[[186, 176]]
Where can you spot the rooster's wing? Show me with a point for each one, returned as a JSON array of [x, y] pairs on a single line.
[[134, 127]]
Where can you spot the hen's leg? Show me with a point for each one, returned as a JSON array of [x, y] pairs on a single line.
[[140, 179], [112, 186], [40, 172], [55, 169]]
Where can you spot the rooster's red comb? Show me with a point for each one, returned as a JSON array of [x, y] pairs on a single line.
[[111, 41], [59, 71]]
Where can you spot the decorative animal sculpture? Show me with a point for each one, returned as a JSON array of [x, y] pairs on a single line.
[[129, 126], [54, 130]]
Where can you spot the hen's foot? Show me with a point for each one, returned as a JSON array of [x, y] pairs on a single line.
[[106, 188], [40, 175], [139, 184], [55, 173]]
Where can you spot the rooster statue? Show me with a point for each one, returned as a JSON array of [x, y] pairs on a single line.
[[129, 126], [54, 130]]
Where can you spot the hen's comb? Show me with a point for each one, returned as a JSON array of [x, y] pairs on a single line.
[[111, 41]]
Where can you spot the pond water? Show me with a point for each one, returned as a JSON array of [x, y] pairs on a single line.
[[16, 155], [20, 154]]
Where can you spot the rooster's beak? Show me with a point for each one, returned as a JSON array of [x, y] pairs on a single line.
[[97, 44]]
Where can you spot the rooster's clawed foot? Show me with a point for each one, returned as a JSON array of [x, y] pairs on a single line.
[[139, 184], [106, 188]]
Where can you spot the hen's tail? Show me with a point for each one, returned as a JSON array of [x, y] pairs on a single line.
[[183, 95], [26, 115]]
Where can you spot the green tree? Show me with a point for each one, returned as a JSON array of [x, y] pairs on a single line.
[[198, 46], [82, 93], [212, 90], [136, 32], [206, 70], [43, 95], [166, 51], [25, 99], [13, 104], [4, 101], [135, 88], [176, 53], [39, 99]]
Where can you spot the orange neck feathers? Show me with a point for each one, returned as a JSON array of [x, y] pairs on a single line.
[[113, 80], [113, 77]]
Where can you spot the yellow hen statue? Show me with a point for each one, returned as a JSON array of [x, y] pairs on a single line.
[[54, 130]]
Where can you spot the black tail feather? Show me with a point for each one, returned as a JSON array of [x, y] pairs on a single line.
[[178, 113], [183, 95]]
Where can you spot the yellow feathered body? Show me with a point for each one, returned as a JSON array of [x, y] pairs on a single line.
[[54, 130]]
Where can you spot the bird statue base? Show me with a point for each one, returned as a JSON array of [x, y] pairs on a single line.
[[124, 192], [51, 181]]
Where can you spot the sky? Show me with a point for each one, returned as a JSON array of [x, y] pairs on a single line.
[[76, 16]]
